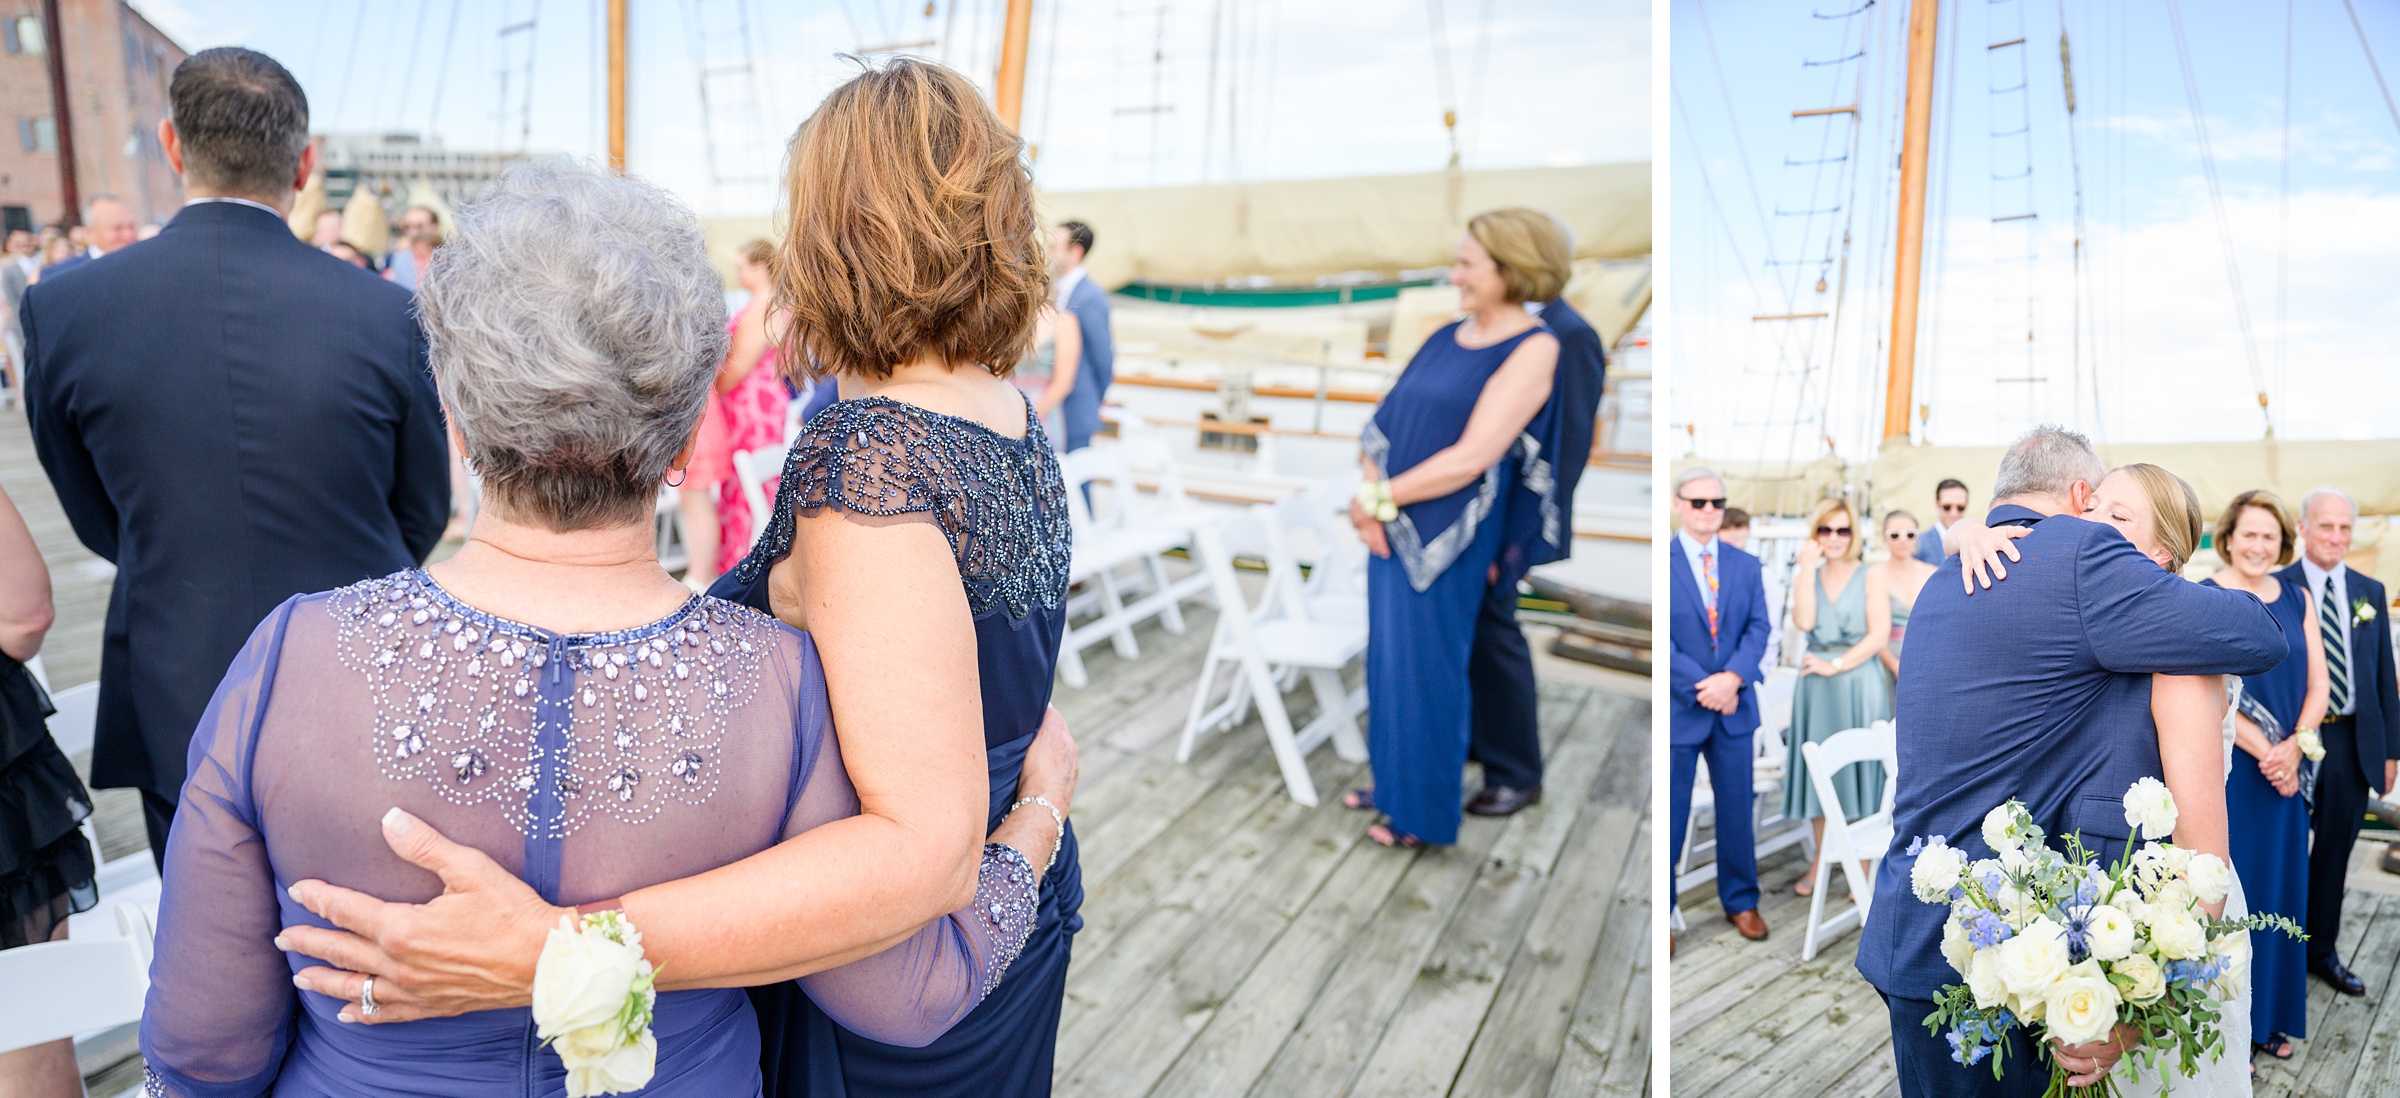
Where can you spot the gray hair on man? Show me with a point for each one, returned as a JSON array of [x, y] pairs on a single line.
[[2308, 502], [2045, 462], [1696, 472], [575, 329]]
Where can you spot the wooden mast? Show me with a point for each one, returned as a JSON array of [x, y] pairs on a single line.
[[1009, 95], [54, 42], [1899, 383], [616, 85]]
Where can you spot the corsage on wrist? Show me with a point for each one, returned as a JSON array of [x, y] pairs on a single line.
[[593, 995], [2312, 745], [1375, 498]]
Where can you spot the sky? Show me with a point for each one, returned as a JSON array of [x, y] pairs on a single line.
[[1302, 88], [2146, 341]]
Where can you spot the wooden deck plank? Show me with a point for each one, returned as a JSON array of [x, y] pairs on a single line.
[[1608, 1042], [2378, 1070]]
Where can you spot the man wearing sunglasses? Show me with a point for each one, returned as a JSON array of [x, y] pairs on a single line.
[[1950, 509], [1717, 634]]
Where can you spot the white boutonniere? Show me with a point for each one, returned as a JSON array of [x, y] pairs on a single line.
[[2361, 612], [593, 995], [2312, 746]]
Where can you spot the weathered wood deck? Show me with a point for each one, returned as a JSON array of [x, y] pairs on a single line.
[[1750, 1018]]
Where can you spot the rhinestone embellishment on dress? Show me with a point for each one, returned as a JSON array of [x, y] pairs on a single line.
[[456, 694]]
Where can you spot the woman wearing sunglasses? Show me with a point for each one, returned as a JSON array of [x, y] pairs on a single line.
[[1904, 575], [1844, 609]]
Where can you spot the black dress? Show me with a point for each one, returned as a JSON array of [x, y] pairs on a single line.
[[46, 870]]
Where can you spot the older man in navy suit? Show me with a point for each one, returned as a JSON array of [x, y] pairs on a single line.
[[1717, 631], [2036, 689], [229, 415], [1083, 299], [2361, 729]]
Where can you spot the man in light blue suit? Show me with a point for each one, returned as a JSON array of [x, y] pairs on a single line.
[[1083, 299], [1718, 626], [1949, 506], [2037, 689]]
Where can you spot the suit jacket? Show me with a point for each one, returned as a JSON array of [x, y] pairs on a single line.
[[2039, 689], [1929, 545], [1741, 642], [67, 264], [233, 418], [2372, 683], [1088, 304]]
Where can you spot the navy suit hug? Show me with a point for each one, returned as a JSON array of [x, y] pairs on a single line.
[[2356, 745], [2036, 689], [1740, 642], [1506, 736], [232, 417]]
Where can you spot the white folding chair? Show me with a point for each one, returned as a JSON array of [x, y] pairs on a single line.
[[1858, 845], [59, 989], [1254, 642], [754, 470], [1131, 536]]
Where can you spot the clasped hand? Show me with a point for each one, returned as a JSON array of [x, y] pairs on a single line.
[[1720, 692], [2281, 766], [1369, 530], [2086, 1065]]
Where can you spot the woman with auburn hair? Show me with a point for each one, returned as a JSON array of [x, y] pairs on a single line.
[[1844, 609]]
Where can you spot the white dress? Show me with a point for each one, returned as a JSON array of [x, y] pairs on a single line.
[[2229, 1075]]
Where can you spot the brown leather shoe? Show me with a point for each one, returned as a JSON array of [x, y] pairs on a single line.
[[1502, 800], [1749, 925]]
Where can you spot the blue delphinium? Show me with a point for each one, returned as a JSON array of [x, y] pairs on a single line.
[[1986, 929]]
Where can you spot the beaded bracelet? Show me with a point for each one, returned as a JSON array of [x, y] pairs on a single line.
[[1056, 817]]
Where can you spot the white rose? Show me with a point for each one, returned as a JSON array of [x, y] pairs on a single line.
[[1955, 947], [2150, 807], [2034, 959], [2081, 1006], [1936, 873], [581, 980], [2013, 860], [2108, 932], [2176, 935], [1995, 828], [1983, 978], [627, 1069], [2209, 877], [2149, 980], [2312, 746]]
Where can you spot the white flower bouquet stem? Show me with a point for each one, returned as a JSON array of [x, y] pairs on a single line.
[[2049, 941], [593, 994]]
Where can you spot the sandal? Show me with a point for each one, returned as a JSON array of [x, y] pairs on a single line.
[[1805, 886], [1362, 800], [1383, 835], [2274, 1041]]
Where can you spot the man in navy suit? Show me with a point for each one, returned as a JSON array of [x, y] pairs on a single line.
[[1083, 299], [108, 224], [2038, 689], [1718, 626], [2361, 729], [229, 415], [1505, 736], [1949, 506]]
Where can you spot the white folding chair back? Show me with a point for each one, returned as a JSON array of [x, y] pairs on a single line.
[[78, 714], [1133, 534], [753, 470], [59, 989], [1856, 845]]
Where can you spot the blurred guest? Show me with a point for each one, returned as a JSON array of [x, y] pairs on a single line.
[[1736, 532], [1083, 299], [1047, 376], [46, 869], [327, 232], [23, 251], [2266, 807], [1844, 609], [1949, 508], [107, 225], [2361, 730], [1717, 630], [1506, 739], [1904, 575], [745, 413], [420, 234], [1446, 464], [348, 253], [56, 251], [320, 464]]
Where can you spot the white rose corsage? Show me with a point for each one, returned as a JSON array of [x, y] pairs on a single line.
[[592, 999], [2361, 612], [2312, 746]]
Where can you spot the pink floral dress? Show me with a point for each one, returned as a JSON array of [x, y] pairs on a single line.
[[748, 418]]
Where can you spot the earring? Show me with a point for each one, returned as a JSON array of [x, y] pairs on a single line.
[[680, 476]]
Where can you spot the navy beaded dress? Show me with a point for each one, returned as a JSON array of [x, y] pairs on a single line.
[[1002, 504]]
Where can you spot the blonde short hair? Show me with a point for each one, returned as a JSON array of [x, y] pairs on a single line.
[[1530, 250], [2174, 511], [2265, 501], [1826, 509]]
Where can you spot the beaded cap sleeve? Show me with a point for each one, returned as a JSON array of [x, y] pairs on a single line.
[[999, 501]]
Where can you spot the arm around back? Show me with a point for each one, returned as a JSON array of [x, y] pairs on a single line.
[[2142, 619]]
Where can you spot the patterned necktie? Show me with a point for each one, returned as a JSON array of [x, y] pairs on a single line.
[[2337, 668], [1708, 570]]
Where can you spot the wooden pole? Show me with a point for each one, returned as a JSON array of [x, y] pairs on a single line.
[[1009, 96], [1915, 139], [616, 85], [54, 42]]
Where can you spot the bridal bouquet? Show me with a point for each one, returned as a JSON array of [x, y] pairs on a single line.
[[2055, 943]]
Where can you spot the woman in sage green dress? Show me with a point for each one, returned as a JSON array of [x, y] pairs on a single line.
[[1843, 606]]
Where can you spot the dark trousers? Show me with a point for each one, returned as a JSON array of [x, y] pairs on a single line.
[[1927, 1071], [1737, 848], [2341, 803], [158, 813], [1504, 735]]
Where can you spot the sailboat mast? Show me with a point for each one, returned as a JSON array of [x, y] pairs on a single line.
[[1010, 93], [616, 85], [1899, 396]]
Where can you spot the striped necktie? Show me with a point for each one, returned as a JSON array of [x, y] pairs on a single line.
[[1708, 571], [2337, 667]]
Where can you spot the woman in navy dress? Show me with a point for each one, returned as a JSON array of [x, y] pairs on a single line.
[[2266, 801], [1452, 473]]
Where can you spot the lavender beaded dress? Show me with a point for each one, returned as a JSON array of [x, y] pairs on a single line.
[[1001, 503], [591, 765]]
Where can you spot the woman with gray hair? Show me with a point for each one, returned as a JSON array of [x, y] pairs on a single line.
[[557, 703]]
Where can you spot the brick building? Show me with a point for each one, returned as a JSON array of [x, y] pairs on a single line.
[[118, 66]]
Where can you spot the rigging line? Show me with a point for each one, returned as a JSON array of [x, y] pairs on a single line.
[[2369, 50], [2066, 66], [1441, 76], [1476, 77], [533, 38], [2283, 213], [2216, 198], [441, 72], [408, 76], [1049, 74], [1208, 113], [341, 98], [324, 17], [1708, 187], [1741, 145], [950, 28], [858, 37]]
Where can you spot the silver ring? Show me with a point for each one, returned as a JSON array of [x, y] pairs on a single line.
[[366, 998]]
